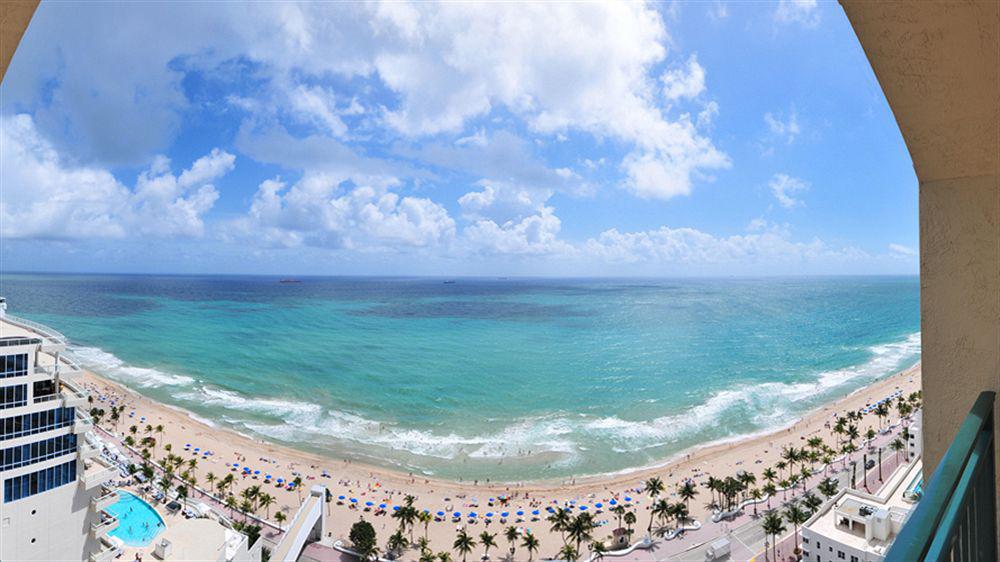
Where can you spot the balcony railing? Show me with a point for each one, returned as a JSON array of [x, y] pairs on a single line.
[[956, 519], [40, 329]]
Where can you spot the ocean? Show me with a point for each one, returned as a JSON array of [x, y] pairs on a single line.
[[507, 379]]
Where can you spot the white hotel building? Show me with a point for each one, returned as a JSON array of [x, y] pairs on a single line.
[[52, 477]]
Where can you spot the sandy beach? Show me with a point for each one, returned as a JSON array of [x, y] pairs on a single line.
[[379, 485]]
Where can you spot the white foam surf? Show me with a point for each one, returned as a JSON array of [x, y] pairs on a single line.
[[110, 365]]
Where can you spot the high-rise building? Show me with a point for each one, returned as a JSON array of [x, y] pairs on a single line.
[[53, 477]]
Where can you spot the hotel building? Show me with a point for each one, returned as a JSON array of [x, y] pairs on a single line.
[[855, 526], [53, 495]]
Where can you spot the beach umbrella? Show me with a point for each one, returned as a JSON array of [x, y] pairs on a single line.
[[628, 499], [354, 500], [440, 514], [196, 449], [456, 514], [489, 515], [549, 509], [504, 514], [427, 511], [613, 502], [369, 504], [281, 480], [583, 508], [395, 508], [268, 477], [535, 512], [598, 505], [520, 513], [341, 498], [381, 506], [256, 472]]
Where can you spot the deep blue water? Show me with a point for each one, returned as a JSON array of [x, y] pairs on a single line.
[[507, 378]]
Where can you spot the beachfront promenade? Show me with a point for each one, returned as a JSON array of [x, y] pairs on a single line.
[[745, 530]]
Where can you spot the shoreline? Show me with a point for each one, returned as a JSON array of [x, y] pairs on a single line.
[[584, 480], [378, 485]]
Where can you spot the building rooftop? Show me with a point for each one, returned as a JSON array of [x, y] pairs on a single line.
[[844, 519]]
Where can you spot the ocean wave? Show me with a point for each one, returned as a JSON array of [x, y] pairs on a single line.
[[561, 437], [108, 364], [762, 405]]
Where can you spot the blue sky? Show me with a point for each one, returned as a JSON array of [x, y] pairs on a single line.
[[709, 138]]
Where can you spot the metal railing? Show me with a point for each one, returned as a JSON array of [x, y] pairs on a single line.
[[40, 329], [956, 519]]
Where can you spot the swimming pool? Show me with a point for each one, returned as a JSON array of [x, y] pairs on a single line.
[[138, 522]]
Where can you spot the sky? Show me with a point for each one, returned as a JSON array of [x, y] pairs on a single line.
[[579, 139]]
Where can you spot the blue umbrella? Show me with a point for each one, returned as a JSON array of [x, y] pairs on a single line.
[[628, 499], [381, 506], [268, 477], [196, 449], [520, 513], [354, 500], [440, 514], [613, 502], [395, 508], [456, 514], [281, 480], [427, 511], [583, 508], [535, 512], [369, 504], [341, 498], [489, 515], [550, 510], [598, 505], [256, 472], [473, 514], [504, 514]]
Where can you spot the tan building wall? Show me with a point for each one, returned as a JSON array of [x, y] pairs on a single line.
[[939, 66], [14, 18]]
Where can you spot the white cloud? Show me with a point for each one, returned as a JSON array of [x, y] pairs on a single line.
[[502, 202], [321, 210], [535, 234], [684, 82], [783, 129], [718, 11], [899, 250], [44, 196], [692, 246], [317, 105], [805, 12], [784, 187]]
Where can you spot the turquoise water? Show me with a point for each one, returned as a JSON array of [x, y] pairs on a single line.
[[504, 378], [138, 522]]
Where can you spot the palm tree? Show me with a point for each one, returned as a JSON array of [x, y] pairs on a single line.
[[654, 487], [687, 491], [828, 487], [882, 411], [425, 518], [568, 553], [463, 544], [560, 522], [427, 556], [796, 516], [530, 543], [280, 518], [755, 494], [487, 540], [512, 533], [773, 526], [629, 521], [396, 543], [444, 557], [619, 510], [598, 550], [298, 486], [580, 529], [660, 509], [265, 501], [896, 446]]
